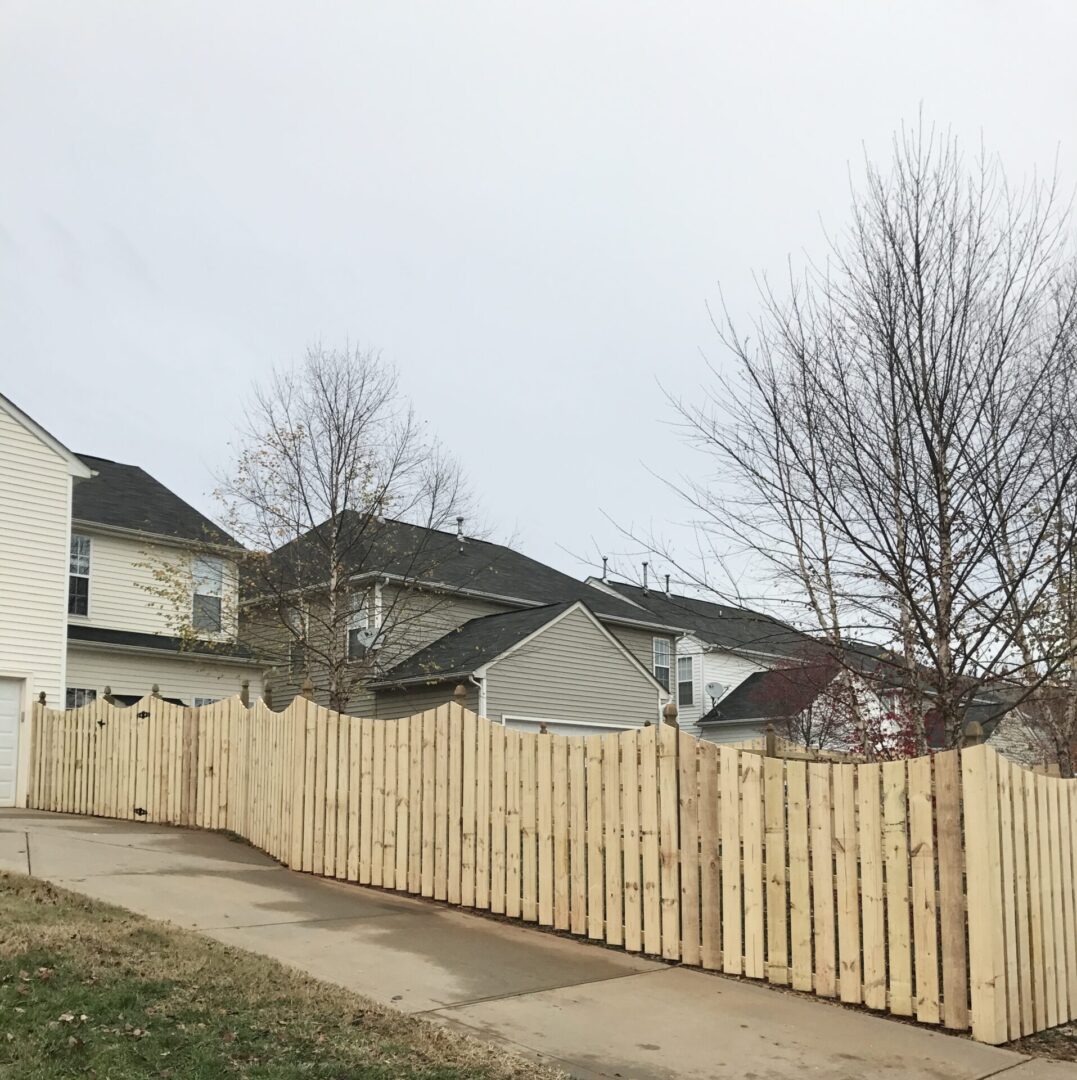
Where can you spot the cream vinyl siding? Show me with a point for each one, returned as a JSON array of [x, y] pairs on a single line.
[[35, 516], [571, 671], [392, 704], [122, 580], [135, 673]]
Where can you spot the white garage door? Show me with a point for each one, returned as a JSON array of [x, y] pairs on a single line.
[[10, 707], [561, 727]]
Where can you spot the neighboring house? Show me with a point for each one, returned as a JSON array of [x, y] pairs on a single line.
[[151, 595], [531, 644], [37, 474], [722, 647]]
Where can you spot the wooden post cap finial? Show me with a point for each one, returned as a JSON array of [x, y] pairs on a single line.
[[669, 714], [307, 689], [245, 692], [155, 690], [41, 698], [974, 733], [460, 693]]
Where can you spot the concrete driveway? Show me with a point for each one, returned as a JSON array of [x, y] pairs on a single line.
[[593, 1011]]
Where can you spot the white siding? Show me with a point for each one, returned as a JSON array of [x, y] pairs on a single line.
[[122, 579], [35, 514], [571, 671], [135, 673]]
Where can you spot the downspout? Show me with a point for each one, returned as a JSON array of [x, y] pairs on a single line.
[[481, 684]]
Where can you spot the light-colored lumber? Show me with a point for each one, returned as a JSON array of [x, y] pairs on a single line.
[[822, 877], [441, 804], [709, 842], [1038, 970], [1061, 979], [777, 970], [1047, 907], [847, 886], [311, 802], [544, 799], [870, 844], [456, 803], [468, 843], [669, 840], [482, 813], [366, 802], [611, 839], [896, 851], [924, 912], [498, 775], [951, 863], [800, 933], [577, 827], [649, 841], [595, 892], [1009, 896], [561, 863], [751, 831], [389, 787], [513, 892], [377, 810], [689, 849], [355, 772], [732, 893], [415, 803], [630, 822], [326, 779], [529, 826], [403, 802]]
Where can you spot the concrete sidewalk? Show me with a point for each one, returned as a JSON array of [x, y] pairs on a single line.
[[593, 1011]]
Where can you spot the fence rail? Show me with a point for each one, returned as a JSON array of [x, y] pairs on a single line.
[[941, 888]]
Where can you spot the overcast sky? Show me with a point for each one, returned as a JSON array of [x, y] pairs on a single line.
[[526, 207]]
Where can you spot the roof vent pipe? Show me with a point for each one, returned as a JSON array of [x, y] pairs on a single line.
[[644, 577], [460, 530], [605, 567], [667, 584]]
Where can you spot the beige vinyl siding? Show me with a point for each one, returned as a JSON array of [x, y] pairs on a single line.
[[35, 515], [392, 704], [640, 643], [571, 671], [135, 673], [125, 571]]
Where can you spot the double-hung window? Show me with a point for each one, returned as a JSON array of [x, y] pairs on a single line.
[[208, 594], [78, 577], [358, 628], [78, 696], [661, 660], [685, 681]]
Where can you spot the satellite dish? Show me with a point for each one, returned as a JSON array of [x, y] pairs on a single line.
[[715, 691], [366, 637]]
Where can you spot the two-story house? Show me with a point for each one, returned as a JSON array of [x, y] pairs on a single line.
[[438, 609], [79, 541]]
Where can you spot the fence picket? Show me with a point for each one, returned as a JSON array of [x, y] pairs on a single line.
[[732, 905], [847, 885], [614, 864], [577, 826], [822, 877], [630, 815], [709, 841], [896, 849], [649, 845], [595, 892]]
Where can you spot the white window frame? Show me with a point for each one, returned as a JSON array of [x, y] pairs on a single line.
[[198, 577], [199, 702], [668, 646], [690, 681], [72, 574], [89, 694]]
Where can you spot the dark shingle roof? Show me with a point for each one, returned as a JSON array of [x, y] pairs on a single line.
[[773, 695], [102, 636], [420, 555], [468, 647], [127, 497], [724, 626]]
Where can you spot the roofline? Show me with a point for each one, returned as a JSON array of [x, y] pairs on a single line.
[[178, 654], [432, 679], [158, 538], [76, 467], [581, 606]]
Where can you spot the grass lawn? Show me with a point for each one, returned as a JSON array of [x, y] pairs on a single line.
[[89, 990]]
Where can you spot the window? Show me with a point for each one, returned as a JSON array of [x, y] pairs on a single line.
[[200, 701], [358, 629], [78, 696], [685, 680], [661, 660], [78, 580], [208, 590]]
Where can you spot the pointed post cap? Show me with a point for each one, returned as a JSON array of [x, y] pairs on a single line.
[[41, 698], [245, 692], [974, 733], [460, 693], [155, 690], [307, 689], [669, 714]]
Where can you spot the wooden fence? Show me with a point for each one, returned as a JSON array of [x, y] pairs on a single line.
[[940, 888]]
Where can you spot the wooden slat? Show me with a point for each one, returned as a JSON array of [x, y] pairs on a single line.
[[441, 803], [669, 820], [796, 778], [498, 775], [691, 934], [328, 746], [577, 826], [513, 892], [355, 767], [870, 844], [1047, 908], [924, 913], [561, 863], [776, 889], [297, 720], [1035, 903], [456, 802], [595, 892], [649, 843], [1009, 896], [630, 824], [611, 839], [1023, 916], [1058, 914], [310, 796], [403, 802], [847, 885], [429, 814], [544, 780], [822, 877], [482, 813], [388, 848], [979, 787], [751, 830], [415, 803], [469, 840], [896, 850], [710, 846], [377, 809], [528, 827], [1068, 817], [732, 896], [951, 862]]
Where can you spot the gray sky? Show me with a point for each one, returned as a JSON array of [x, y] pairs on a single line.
[[526, 207]]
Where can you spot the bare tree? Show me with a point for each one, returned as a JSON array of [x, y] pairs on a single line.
[[345, 508], [886, 446]]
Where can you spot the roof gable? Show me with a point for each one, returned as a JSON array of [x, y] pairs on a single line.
[[75, 466], [127, 497], [773, 695]]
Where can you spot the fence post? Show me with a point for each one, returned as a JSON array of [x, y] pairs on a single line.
[[155, 690], [107, 695], [770, 742], [245, 693], [267, 693], [669, 714], [307, 689], [973, 733]]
